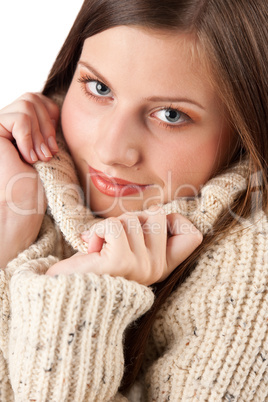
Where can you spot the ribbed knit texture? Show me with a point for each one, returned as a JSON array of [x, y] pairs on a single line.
[[210, 339], [61, 338], [66, 333], [65, 196]]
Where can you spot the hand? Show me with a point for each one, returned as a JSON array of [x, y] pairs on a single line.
[[31, 121], [22, 199], [136, 247]]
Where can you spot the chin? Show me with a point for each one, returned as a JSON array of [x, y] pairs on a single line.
[[119, 207], [113, 210]]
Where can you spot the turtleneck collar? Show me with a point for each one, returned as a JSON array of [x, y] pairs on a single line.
[[66, 200]]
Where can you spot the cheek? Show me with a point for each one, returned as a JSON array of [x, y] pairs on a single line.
[[75, 126], [190, 165], [71, 119], [206, 156], [67, 119], [213, 151], [80, 121]]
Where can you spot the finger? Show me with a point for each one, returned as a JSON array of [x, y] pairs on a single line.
[[73, 265], [47, 113], [51, 106], [132, 225], [43, 115], [28, 112], [18, 126], [184, 239], [79, 264], [108, 261], [23, 110], [4, 132], [112, 232], [179, 225], [155, 230]]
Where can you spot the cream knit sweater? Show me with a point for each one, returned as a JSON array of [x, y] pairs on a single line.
[[61, 337]]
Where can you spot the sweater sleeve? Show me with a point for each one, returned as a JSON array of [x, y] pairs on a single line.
[[66, 335]]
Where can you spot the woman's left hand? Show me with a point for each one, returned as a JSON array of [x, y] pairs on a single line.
[[144, 247]]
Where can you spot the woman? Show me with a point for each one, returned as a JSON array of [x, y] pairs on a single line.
[[205, 337]]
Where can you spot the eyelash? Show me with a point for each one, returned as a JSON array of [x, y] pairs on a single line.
[[174, 126], [85, 79]]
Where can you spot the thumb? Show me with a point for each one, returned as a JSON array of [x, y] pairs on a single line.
[[79, 263]]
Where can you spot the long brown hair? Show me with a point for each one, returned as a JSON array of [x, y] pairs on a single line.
[[233, 37]]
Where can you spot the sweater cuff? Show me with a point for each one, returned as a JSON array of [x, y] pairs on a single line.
[[66, 334]]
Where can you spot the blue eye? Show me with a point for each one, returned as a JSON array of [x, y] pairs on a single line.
[[98, 88], [171, 116]]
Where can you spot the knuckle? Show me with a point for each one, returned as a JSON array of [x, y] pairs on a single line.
[[123, 217], [27, 98], [128, 215], [25, 95], [27, 106], [24, 120], [144, 279], [113, 220], [198, 237], [155, 211], [113, 226], [132, 220], [52, 107], [30, 96]]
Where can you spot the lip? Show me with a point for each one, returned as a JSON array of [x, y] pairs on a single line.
[[113, 186]]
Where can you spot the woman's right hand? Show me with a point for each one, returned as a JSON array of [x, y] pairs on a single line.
[[26, 132], [31, 121]]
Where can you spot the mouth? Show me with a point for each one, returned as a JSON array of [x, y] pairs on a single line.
[[113, 186]]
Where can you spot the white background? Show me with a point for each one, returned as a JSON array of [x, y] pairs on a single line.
[[31, 35]]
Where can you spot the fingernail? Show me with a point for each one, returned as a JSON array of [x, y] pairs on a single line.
[[46, 151], [33, 156], [52, 144]]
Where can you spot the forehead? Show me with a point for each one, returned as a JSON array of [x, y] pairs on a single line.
[[164, 58], [165, 46]]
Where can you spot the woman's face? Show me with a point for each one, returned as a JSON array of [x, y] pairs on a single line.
[[142, 121]]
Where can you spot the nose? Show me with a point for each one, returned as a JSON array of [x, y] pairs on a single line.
[[117, 139]]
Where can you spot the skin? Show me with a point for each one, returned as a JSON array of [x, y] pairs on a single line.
[[28, 120], [125, 133], [122, 128]]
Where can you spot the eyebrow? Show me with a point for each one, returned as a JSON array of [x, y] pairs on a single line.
[[173, 100], [150, 99], [94, 71]]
